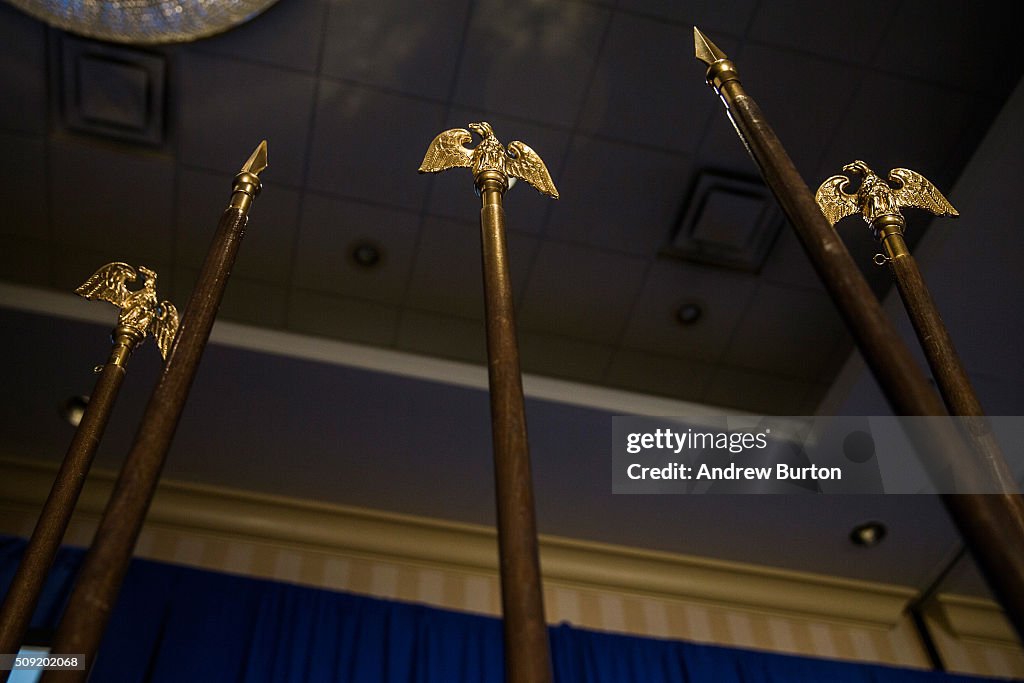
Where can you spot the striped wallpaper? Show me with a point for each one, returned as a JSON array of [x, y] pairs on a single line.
[[588, 606]]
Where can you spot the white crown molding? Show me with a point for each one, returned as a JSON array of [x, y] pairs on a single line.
[[977, 619], [321, 528], [390, 361]]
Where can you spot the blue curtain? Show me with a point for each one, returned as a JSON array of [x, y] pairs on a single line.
[[179, 625]]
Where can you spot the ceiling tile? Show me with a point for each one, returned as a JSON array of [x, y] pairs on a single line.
[[848, 31], [452, 194], [287, 34], [25, 261], [326, 315], [787, 262], [331, 228], [254, 303], [368, 144], [442, 335], [102, 208], [964, 578], [245, 301], [921, 124], [788, 332], [556, 356], [23, 187], [619, 196], [805, 131], [760, 393], [651, 373], [22, 72], [718, 15], [225, 107], [953, 42], [722, 295], [390, 44], [447, 276], [581, 293], [641, 92], [266, 251], [530, 59]]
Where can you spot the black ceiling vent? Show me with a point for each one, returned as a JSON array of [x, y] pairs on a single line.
[[113, 91], [729, 221]]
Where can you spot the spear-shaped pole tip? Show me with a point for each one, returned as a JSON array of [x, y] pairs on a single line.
[[705, 50], [258, 161]]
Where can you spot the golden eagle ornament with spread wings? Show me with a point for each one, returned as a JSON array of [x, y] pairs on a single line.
[[448, 150], [140, 310], [875, 197]]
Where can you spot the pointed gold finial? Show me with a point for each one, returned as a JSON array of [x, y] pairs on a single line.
[[705, 50], [141, 312], [720, 67], [257, 161], [518, 161], [247, 185]]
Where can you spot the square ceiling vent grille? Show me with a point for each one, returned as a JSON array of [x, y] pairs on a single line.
[[729, 221], [116, 92]]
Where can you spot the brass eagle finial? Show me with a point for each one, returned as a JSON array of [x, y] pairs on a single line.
[[518, 161], [876, 198], [140, 311]]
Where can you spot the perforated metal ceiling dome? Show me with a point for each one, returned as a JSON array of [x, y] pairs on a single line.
[[143, 21]]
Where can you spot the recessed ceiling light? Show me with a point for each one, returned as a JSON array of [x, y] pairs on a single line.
[[689, 313], [73, 409], [868, 534], [366, 254]]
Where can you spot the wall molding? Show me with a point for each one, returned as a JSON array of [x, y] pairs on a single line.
[[377, 535], [976, 619], [377, 359]]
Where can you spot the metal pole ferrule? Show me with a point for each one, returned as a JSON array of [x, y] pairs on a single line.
[[246, 187], [721, 71], [888, 230]]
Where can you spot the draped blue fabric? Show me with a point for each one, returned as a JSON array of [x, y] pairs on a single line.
[[175, 624]]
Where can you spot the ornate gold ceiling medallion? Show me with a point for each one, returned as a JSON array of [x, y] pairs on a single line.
[[144, 22]]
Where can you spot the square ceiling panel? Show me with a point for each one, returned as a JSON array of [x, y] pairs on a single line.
[[850, 31], [330, 315], [367, 144], [618, 196], [730, 221], [788, 332], [648, 372], [532, 60], [376, 42], [581, 292], [330, 233], [721, 296], [446, 336], [726, 16], [287, 34], [644, 61], [113, 91], [100, 210], [225, 107]]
